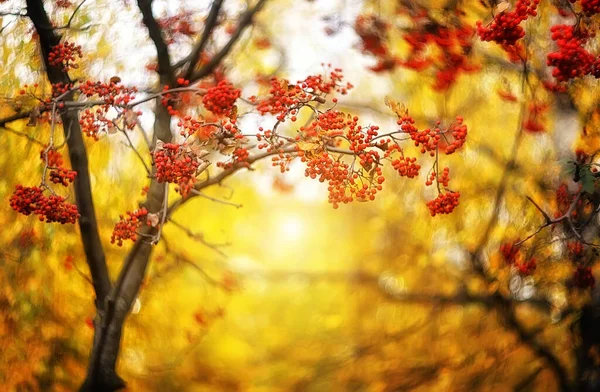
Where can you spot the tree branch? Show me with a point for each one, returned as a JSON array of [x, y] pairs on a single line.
[[209, 25], [165, 69], [244, 22]]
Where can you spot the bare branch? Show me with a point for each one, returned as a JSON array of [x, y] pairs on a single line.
[[244, 22], [209, 25]]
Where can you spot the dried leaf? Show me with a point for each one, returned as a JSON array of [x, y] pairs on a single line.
[[399, 108], [308, 146]]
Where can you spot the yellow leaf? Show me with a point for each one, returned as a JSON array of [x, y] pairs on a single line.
[[308, 146], [397, 107]]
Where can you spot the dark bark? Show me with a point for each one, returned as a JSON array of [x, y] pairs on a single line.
[[588, 329], [90, 237]]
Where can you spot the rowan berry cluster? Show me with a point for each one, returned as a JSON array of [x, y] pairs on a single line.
[[458, 130], [27, 238], [443, 47], [445, 203], [221, 98], [589, 7], [283, 96], [239, 156], [575, 248], [58, 174], [533, 123], [53, 208], [583, 278], [571, 60], [176, 164], [59, 89], [93, 121], [63, 3], [513, 257], [509, 252], [63, 55], [372, 31], [406, 166], [112, 93], [190, 126], [505, 29], [127, 227], [563, 200], [176, 26], [527, 267]]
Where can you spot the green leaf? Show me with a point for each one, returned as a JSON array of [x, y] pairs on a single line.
[[587, 179]]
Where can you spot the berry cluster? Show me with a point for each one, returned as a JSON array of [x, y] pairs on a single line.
[[510, 252], [505, 29], [575, 248], [28, 200], [221, 98], [442, 47], [126, 228], [527, 267], [177, 164], [583, 278], [406, 167], [571, 60], [63, 55], [372, 31], [58, 174], [240, 156], [458, 130], [346, 183], [445, 203], [176, 26], [93, 121], [533, 122], [284, 96], [512, 256], [590, 7], [563, 201], [190, 126], [63, 3]]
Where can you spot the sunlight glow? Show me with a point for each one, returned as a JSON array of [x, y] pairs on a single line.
[[291, 227]]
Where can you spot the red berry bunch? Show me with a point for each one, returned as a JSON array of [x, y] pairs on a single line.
[[59, 89], [442, 47], [176, 164], [176, 26], [63, 55], [93, 121], [372, 31], [575, 248], [190, 126], [112, 93], [563, 200], [28, 200], [571, 60], [590, 7], [221, 98], [62, 176], [406, 167], [284, 96], [63, 3], [126, 228], [240, 156], [58, 174], [458, 130], [583, 278], [505, 29], [527, 267], [445, 203], [510, 252]]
